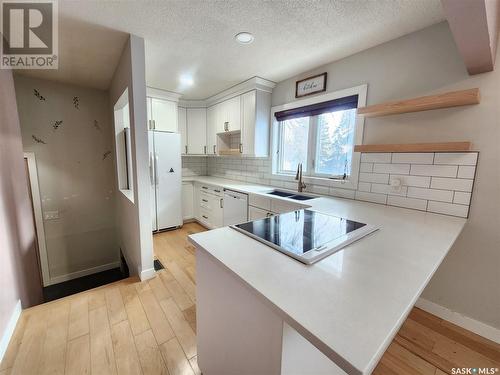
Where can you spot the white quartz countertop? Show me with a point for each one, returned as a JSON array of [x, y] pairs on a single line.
[[351, 304]]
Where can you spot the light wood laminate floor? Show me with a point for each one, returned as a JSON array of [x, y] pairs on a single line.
[[133, 327]]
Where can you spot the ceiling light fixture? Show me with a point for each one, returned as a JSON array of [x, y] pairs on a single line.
[[186, 80], [244, 37]]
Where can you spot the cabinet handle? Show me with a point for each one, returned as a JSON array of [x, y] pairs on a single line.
[[226, 126], [205, 217], [186, 148], [221, 203], [241, 148], [204, 187], [204, 200], [205, 149], [154, 125], [217, 191], [214, 150]]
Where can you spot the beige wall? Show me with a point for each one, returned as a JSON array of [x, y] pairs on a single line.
[[134, 218], [19, 274], [75, 172], [421, 63]]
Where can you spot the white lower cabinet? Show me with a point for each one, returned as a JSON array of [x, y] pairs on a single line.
[[209, 205], [187, 200], [255, 213]]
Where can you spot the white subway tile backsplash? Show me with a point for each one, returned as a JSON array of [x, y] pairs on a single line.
[[434, 170], [371, 197], [342, 193], [451, 177], [448, 208], [379, 178], [416, 204], [388, 189], [451, 184], [375, 157], [462, 197], [366, 167], [391, 168], [430, 194], [364, 186], [465, 171], [417, 181], [413, 158], [456, 158]]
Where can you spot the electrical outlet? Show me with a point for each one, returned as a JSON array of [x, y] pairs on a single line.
[[51, 215]]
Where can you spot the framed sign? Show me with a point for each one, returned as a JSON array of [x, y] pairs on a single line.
[[310, 85]]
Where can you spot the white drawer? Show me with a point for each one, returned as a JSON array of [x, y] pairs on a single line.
[[259, 201], [211, 189], [255, 213]]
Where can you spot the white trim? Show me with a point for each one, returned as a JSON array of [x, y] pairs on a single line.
[[147, 274], [479, 328], [9, 329], [37, 210], [352, 183], [85, 272], [152, 92]]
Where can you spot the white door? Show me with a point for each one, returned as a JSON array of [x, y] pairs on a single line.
[[164, 115], [168, 179], [152, 179], [219, 117], [196, 130], [182, 128], [211, 130]]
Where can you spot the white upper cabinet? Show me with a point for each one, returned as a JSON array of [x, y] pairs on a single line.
[[212, 130], [255, 126], [162, 115], [182, 128], [227, 115], [196, 124]]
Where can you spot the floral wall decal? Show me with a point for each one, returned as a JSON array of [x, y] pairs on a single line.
[[76, 102], [57, 124], [106, 154], [96, 125], [38, 95], [38, 140]]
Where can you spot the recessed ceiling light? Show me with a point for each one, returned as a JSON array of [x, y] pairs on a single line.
[[186, 80], [244, 37]]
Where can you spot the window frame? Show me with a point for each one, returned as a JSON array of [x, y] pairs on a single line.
[[310, 176]]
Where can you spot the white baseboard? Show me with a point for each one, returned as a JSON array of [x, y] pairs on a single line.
[[147, 274], [77, 274], [9, 330], [460, 320]]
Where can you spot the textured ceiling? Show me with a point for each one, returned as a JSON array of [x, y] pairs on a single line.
[[196, 37]]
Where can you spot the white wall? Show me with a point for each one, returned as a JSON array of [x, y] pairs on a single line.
[[75, 172], [134, 218], [418, 64]]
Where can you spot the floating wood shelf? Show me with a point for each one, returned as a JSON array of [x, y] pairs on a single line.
[[230, 151], [416, 147], [424, 103]]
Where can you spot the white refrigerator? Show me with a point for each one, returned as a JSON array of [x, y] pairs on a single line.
[[166, 179]]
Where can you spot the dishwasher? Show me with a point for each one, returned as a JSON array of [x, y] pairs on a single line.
[[235, 207]]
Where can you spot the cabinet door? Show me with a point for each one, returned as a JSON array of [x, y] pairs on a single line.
[[212, 130], [248, 123], [187, 200], [196, 121], [233, 113], [164, 115], [182, 128], [217, 211], [219, 117]]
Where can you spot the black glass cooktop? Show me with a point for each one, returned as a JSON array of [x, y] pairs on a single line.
[[300, 231]]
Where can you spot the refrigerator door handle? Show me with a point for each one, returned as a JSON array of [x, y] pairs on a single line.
[[156, 170], [151, 169]]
